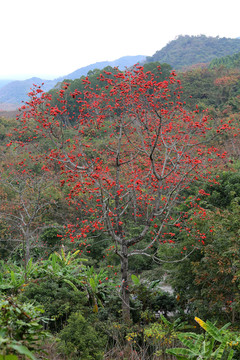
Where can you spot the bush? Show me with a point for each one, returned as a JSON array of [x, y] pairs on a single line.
[[21, 329], [58, 299], [80, 340]]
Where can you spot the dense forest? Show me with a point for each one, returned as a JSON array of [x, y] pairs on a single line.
[[119, 216]]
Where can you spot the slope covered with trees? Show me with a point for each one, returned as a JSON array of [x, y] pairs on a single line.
[[189, 50], [229, 61]]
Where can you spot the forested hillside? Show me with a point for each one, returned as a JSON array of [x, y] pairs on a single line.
[[229, 61], [119, 217], [189, 50]]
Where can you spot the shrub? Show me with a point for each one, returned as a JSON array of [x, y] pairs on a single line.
[[80, 339], [57, 298], [20, 327]]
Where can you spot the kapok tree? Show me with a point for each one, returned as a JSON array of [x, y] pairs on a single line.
[[127, 149]]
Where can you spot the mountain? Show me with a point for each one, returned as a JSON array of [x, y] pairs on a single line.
[[180, 53], [122, 63], [187, 50], [14, 92], [4, 82]]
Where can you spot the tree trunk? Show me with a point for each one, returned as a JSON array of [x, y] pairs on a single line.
[[27, 245], [125, 290], [26, 252]]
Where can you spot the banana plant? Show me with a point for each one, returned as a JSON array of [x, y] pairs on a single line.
[[14, 276], [62, 264], [69, 268], [66, 259], [215, 344], [96, 285], [11, 278]]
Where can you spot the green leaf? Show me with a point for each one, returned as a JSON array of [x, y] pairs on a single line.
[[209, 350], [208, 347], [225, 327], [8, 357], [189, 335], [6, 286], [71, 284], [13, 278], [93, 284], [220, 350], [135, 279], [21, 349], [193, 346], [181, 352], [213, 331], [166, 322], [68, 258], [63, 255], [230, 355]]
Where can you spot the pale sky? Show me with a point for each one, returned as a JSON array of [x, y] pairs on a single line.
[[52, 38]]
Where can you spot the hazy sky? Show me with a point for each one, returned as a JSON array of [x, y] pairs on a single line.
[[51, 38]]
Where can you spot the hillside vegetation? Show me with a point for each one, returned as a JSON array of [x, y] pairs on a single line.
[[229, 61], [189, 50]]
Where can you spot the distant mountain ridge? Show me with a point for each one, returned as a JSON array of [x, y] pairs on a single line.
[[122, 63], [14, 92], [181, 53], [188, 50]]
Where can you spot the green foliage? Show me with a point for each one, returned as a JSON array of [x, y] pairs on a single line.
[[224, 191], [7, 345], [216, 274], [57, 287], [199, 88], [135, 280], [81, 340], [49, 236], [95, 250], [63, 285], [152, 340], [206, 283], [215, 344], [165, 69], [229, 61], [162, 335], [148, 298], [13, 276], [57, 297], [98, 286], [21, 330]]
